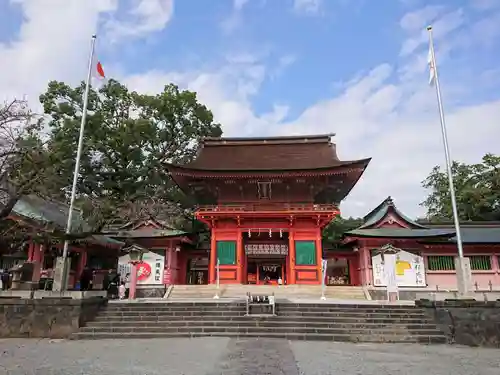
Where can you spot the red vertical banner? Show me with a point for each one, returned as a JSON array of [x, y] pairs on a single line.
[[167, 276]]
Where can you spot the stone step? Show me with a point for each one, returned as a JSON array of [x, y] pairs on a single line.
[[236, 306], [230, 304], [346, 319], [216, 303], [236, 329], [271, 322], [363, 308], [166, 308], [338, 313], [346, 337], [239, 291], [227, 315]]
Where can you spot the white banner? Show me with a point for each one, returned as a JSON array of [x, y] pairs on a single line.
[[409, 270]]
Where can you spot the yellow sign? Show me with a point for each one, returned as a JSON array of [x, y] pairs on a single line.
[[401, 267]]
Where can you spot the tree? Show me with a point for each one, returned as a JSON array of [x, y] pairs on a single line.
[[334, 231], [477, 189], [24, 161], [26, 168], [128, 138]]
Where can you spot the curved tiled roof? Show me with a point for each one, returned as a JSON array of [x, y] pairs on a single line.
[[268, 154], [379, 212]]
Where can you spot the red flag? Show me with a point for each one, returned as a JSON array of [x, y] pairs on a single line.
[[99, 70]]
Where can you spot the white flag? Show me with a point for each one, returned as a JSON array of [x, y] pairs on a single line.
[[432, 67], [99, 79]]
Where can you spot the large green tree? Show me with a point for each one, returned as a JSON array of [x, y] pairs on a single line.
[[477, 189], [335, 230], [128, 138]]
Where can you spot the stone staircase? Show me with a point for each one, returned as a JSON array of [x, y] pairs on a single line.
[[190, 292], [238, 291], [294, 321]]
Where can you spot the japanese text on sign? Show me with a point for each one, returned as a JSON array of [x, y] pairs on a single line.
[[266, 249]]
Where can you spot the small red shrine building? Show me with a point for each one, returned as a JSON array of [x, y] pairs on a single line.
[[266, 201], [427, 251]]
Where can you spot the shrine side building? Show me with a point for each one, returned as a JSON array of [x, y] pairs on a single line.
[[266, 202], [426, 251]]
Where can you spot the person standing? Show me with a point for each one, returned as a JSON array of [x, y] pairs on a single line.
[[107, 281], [85, 279], [5, 278]]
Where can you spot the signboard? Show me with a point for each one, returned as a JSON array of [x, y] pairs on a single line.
[[149, 271], [324, 267], [390, 273], [266, 249], [409, 269]]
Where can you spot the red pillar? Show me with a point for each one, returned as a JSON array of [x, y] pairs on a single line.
[[37, 259], [175, 265], [240, 258], [319, 254], [82, 261], [31, 247], [133, 280], [290, 277], [213, 256], [169, 255]]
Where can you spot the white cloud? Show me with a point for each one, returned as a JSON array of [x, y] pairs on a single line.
[[307, 6], [235, 19], [485, 4], [442, 27], [420, 18], [144, 17], [388, 114], [239, 4], [52, 43]]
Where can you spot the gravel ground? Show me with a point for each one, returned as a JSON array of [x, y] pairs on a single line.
[[214, 356]]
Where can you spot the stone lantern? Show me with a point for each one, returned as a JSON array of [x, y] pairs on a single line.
[[135, 253]]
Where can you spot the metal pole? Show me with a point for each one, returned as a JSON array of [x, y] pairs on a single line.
[[217, 280], [64, 283], [460, 273], [323, 276]]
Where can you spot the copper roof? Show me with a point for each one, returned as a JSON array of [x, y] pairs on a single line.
[[273, 153]]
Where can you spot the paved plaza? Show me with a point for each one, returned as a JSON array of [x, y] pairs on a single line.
[[213, 356]]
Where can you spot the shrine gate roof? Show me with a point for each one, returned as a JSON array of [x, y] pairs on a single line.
[[271, 154]]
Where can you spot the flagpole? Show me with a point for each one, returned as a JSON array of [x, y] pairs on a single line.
[[444, 134], [64, 283]]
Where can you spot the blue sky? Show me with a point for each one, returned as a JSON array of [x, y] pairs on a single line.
[[271, 67]]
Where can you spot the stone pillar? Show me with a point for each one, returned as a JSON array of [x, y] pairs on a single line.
[[464, 276], [58, 273]]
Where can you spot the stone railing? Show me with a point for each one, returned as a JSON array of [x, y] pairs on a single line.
[[466, 322], [46, 317]]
